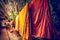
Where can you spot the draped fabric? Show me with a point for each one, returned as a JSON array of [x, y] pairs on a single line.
[[16, 23], [22, 23], [42, 23], [35, 19]]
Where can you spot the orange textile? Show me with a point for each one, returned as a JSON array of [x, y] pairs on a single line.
[[42, 25], [23, 23], [16, 24], [35, 19]]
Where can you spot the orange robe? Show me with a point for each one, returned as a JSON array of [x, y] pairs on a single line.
[[35, 19], [41, 21], [23, 24]]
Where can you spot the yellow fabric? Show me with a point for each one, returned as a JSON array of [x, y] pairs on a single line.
[[16, 24], [23, 23]]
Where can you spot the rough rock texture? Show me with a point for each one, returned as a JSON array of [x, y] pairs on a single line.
[[6, 35]]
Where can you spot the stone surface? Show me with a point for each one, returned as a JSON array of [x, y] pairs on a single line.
[[6, 35]]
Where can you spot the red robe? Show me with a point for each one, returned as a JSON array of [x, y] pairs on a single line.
[[41, 21]]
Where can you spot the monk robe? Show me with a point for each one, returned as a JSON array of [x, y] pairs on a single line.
[[42, 23], [23, 23]]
